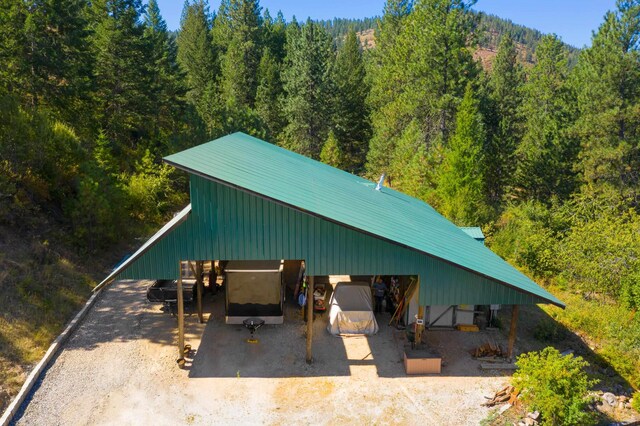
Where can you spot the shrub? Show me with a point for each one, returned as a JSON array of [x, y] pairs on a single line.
[[555, 385], [548, 331], [601, 255], [525, 236], [635, 404]]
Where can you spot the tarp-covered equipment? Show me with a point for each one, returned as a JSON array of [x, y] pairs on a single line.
[[351, 310]]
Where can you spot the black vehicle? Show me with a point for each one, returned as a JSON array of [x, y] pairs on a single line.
[[166, 292]]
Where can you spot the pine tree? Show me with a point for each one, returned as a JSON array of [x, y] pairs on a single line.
[[331, 153], [439, 64], [382, 61], [221, 28], [350, 115], [607, 82], [408, 171], [165, 91], [120, 71], [505, 123], [546, 154], [57, 54], [269, 96], [461, 180], [384, 83], [307, 88], [275, 34], [428, 69], [12, 47], [197, 59], [239, 64]]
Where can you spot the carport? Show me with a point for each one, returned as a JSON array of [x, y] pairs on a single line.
[[252, 200]]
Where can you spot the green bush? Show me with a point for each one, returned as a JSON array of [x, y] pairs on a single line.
[[635, 404], [555, 385], [548, 331], [525, 237], [601, 255]]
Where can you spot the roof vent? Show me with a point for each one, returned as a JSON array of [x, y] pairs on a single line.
[[380, 182]]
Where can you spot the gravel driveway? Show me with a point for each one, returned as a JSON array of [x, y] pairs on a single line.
[[119, 368]]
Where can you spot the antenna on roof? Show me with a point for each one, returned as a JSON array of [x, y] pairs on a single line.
[[380, 183]]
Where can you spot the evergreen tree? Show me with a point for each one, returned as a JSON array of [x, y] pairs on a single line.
[[269, 96], [307, 88], [439, 64], [221, 28], [408, 171], [351, 117], [275, 34], [56, 54], [384, 83], [546, 154], [607, 82], [242, 56], [12, 45], [331, 153], [429, 67], [165, 91], [198, 62], [120, 71], [505, 121], [461, 181], [382, 61]]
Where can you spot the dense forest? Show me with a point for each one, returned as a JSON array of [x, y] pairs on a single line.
[[545, 157], [489, 30]]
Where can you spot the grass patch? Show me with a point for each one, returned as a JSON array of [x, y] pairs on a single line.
[[40, 291], [609, 329]]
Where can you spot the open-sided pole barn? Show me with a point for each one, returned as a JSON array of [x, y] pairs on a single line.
[[252, 200]]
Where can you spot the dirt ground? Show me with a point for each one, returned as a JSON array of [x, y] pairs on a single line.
[[119, 368]]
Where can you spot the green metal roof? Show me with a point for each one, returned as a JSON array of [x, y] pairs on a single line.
[[474, 232], [260, 168]]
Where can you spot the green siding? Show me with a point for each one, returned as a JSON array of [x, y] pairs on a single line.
[[229, 224]]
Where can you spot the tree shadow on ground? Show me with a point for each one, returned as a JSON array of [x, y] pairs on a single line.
[[538, 330]]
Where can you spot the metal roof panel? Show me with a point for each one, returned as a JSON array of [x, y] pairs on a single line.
[[261, 168]]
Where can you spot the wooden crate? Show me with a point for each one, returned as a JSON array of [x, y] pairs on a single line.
[[422, 363]]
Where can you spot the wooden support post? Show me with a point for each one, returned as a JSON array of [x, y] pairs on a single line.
[[420, 327], [197, 273], [199, 288], [512, 330], [180, 302], [310, 303]]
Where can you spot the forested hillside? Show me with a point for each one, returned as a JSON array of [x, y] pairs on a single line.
[[489, 30], [545, 157]]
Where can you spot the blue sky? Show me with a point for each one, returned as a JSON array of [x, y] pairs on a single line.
[[572, 20]]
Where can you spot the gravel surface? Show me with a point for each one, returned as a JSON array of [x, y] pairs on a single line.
[[119, 368]]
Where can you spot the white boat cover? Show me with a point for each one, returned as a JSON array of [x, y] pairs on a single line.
[[351, 310]]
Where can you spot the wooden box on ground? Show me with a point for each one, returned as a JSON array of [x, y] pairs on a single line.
[[421, 361]]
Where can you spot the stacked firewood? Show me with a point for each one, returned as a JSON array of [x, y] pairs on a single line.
[[488, 350]]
